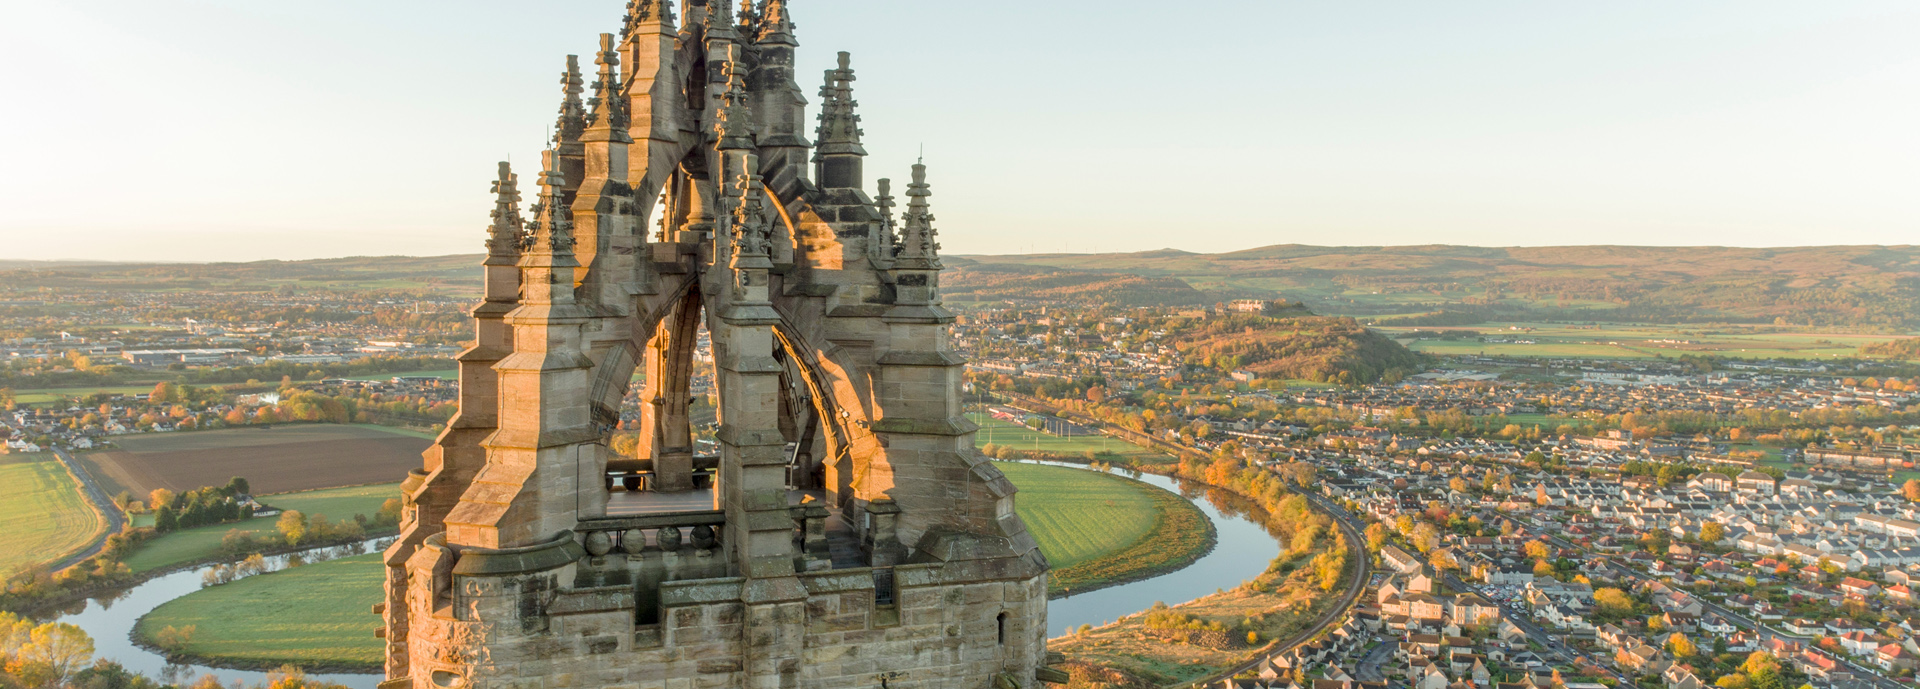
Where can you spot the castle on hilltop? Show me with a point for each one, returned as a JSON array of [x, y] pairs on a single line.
[[845, 532]]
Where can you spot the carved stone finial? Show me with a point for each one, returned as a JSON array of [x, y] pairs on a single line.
[[504, 236], [775, 23], [552, 230], [918, 240], [839, 130], [647, 12], [732, 127], [609, 108], [573, 115], [885, 203]]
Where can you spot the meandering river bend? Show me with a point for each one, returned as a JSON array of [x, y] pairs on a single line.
[[1242, 552]]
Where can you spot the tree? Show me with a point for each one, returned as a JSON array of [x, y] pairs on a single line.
[[1376, 536], [1911, 489], [1614, 601], [1443, 561], [1426, 537], [1542, 569], [1459, 485], [160, 497], [1712, 532], [163, 392], [239, 486], [1538, 550], [61, 648], [1733, 681], [292, 526], [1681, 647]]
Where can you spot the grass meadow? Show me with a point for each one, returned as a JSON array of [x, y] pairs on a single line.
[[1638, 341], [1092, 526], [997, 432], [203, 542], [1098, 528], [43, 516], [313, 615]]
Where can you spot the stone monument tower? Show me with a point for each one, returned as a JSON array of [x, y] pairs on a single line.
[[838, 531]]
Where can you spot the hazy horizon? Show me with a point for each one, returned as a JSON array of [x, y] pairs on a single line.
[[238, 130]]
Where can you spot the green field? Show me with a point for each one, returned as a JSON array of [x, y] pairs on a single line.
[[43, 517], [1078, 515], [1097, 528], [317, 614], [203, 542], [1099, 525], [996, 432], [48, 395], [1640, 341]]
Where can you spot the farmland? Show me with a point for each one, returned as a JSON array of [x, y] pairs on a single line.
[[315, 615], [42, 515], [274, 459], [203, 542], [1638, 341]]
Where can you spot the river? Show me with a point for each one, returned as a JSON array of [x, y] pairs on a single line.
[[1242, 553], [109, 620]]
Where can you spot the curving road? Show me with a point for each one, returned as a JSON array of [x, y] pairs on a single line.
[[98, 496]]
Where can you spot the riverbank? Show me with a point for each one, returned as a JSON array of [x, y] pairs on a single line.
[[1100, 530], [315, 616]]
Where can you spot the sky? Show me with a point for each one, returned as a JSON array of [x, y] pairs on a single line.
[[227, 130]]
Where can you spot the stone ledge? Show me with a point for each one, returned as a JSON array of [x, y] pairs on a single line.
[[554, 554], [949, 426], [700, 591]]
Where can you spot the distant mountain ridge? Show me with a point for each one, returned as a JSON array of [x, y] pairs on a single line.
[[1856, 286], [1870, 286]]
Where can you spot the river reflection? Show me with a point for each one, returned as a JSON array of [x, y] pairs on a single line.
[[1246, 546], [109, 619]]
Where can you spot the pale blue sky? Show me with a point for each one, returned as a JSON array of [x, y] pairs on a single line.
[[245, 129]]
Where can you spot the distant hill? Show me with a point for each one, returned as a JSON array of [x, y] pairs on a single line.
[[1873, 286], [1438, 285], [1317, 348]]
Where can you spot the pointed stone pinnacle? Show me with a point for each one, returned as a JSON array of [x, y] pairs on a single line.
[[504, 235]]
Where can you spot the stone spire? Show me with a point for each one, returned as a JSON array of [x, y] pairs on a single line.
[[837, 150], [733, 125], [549, 242], [504, 237], [919, 247], [749, 20], [751, 232], [775, 25], [609, 108], [573, 115], [646, 12], [719, 21], [885, 203]]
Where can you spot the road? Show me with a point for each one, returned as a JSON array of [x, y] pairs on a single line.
[[1356, 552], [95, 494]]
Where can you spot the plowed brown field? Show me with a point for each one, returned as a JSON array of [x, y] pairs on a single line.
[[274, 460]]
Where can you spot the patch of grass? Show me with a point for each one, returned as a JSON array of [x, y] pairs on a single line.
[[314, 615], [203, 542], [46, 396], [43, 516], [1098, 528], [997, 432]]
